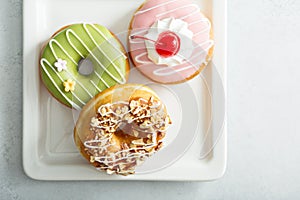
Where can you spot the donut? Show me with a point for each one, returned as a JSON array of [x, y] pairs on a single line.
[[120, 127], [81, 60], [170, 41]]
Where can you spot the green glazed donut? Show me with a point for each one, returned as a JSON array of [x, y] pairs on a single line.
[[70, 46]]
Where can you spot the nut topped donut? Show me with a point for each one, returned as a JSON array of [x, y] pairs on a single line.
[[80, 61], [122, 126], [170, 41]]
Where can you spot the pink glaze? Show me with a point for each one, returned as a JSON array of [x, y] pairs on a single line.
[[149, 13]]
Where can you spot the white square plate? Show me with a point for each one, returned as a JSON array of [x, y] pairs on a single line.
[[48, 149]]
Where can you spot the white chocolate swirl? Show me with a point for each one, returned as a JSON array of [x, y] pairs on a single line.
[[180, 28]]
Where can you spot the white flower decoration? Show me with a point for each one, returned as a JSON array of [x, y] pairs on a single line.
[[60, 64], [69, 85]]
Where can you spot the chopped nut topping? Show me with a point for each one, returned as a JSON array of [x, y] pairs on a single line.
[[135, 133], [118, 111], [94, 121], [146, 119], [108, 171], [138, 142], [92, 159]]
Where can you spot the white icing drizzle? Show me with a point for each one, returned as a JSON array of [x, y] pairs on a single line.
[[106, 39], [63, 49], [123, 114], [79, 83], [106, 56], [101, 144], [102, 79], [197, 10], [62, 80], [204, 30], [167, 71], [97, 88], [137, 58], [159, 72], [68, 72], [73, 93], [186, 6], [73, 104], [157, 6], [70, 31], [88, 145], [130, 155], [53, 41]]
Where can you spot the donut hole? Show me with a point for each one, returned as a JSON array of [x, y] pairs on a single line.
[[85, 67], [126, 130], [123, 135]]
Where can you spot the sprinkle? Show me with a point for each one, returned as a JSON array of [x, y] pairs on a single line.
[[69, 85], [60, 64]]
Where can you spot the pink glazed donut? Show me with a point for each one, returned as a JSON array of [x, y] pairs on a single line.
[[170, 41]]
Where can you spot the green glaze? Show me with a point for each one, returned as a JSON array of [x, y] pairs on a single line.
[[107, 50]]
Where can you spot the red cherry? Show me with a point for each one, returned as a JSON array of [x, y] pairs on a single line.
[[167, 44]]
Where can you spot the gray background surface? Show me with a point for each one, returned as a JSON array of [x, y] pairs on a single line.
[[263, 114]]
